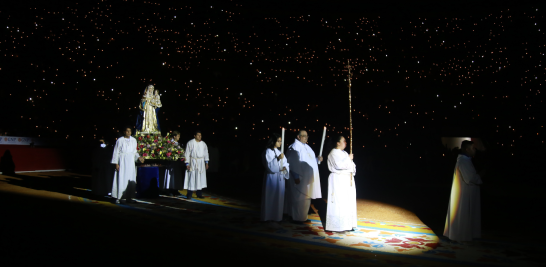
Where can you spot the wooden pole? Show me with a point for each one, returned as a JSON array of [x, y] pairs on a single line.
[[350, 68], [349, 75]]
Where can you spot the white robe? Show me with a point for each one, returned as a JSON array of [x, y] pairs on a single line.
[[463, 221], [125, 154], [174, 174], [196, 154], [341, 212], [303, 162], [273, 185]]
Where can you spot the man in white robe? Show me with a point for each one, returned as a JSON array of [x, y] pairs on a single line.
[[197, 162], [125, 155], [463, 221], [341, 214], [174, 173], [304, 182], [276, 171]]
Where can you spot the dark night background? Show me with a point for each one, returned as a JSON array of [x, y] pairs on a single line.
[[75, 71]]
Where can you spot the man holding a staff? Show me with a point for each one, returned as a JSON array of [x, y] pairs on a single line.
[[304, 182]]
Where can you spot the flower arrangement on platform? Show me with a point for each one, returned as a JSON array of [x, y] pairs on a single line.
[[155, 146]]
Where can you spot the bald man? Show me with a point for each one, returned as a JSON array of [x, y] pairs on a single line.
[[304, 181]]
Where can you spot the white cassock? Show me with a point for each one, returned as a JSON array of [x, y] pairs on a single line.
[[341, 211], [463, 222], [273, 185], [125, 154], [174, 174], [196, 154], [303, 164]]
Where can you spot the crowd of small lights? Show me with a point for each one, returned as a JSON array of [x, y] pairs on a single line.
[[79, 70]]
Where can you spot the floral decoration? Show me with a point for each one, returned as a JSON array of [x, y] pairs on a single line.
[[152, 146]]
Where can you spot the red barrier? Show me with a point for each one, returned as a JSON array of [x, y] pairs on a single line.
[[26, 158]]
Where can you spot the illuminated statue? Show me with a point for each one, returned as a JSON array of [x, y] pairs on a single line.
[[157, 105], [147, 123]]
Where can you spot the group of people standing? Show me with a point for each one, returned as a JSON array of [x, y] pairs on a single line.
[[192, 176], [291, 182]]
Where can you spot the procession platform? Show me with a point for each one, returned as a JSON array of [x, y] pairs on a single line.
[[54, 217]]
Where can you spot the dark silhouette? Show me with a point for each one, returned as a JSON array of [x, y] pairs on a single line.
[[147, 184], [103, 170], [7, 166]]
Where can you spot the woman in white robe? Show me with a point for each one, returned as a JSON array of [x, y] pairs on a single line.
[[341, 211], [273, 189], [125, 155]]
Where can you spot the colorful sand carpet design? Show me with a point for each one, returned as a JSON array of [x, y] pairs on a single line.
[[375, 243], [230, 222]]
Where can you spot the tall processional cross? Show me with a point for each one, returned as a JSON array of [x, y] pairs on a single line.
[[349, 76]]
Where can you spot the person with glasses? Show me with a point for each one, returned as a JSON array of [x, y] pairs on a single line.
[[304, 181]]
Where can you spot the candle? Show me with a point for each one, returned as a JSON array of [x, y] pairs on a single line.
[[282, 148], [322, 143], [282, 138]]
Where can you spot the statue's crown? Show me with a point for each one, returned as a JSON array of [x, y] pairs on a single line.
[[150, 86]]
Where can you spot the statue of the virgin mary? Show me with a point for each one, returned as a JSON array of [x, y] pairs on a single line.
[[147, 120]]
